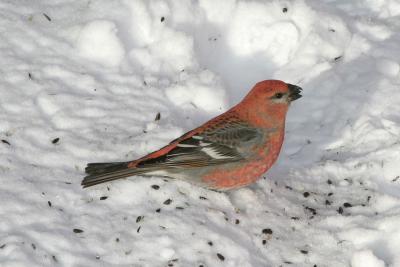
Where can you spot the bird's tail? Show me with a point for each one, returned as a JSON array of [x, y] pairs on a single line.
[[104, 172]]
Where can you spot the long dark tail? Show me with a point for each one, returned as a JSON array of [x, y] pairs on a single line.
[[104, 172]]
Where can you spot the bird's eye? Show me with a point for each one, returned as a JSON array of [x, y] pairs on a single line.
[[278, 95]]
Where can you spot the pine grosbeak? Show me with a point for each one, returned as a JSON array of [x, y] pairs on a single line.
[[232, 150]]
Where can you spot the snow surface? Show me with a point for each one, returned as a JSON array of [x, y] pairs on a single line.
[[82, 81]]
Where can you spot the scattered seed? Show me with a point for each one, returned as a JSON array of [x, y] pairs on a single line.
[[284, 10], [46, 16], [332, 30], [368, 198], [68, 183], [77, 231], [288, 262], [97, 257], [327, 202], [264, 242], [168, 201], [304, 251], [330, 194], [340, 210], [220, 256], [3, 246], [139, 218], [288, 187], [306, 194], [5, 142], [49, 203], [313, 211], [210, 243], [138, 230], [54, 258], [347, 205], [179, 208], [117, 239], [155, 187], [237, 221], [395, 179], [103, 198], [267, 231], [158, 210], [162, 19], [30, 76], [295, 218], [158, 116], [202, 198], [55, 140], [33, 246], [337, 58], [329, 181]]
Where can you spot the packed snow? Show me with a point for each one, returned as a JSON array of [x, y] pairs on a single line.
[[112, 80]]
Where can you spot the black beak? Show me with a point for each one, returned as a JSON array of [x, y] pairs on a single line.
[[294, 92]]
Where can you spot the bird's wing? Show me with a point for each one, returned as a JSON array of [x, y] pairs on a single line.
[[217, 144]]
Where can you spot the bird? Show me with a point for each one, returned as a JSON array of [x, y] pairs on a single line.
[[227, 152]]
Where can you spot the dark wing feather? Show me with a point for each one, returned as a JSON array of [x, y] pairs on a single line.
[[217, 145]]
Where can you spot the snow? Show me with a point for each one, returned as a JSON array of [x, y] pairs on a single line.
[[83, 81]]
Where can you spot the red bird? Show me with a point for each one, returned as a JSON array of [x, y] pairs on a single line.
[[232, 150]]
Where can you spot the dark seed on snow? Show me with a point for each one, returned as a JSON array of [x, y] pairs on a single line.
[[155, 187], [33, 246], [306, 194], [49, 203], [210, 243], [5, 142], [304, 251], [158, 210], [329, 181], [139, 218], [267, 231], [158, 116], [295, 218], [313, 211], [46, 16], [55, 140], [237, 221], [77, 231], [3, 246], [117, 239], [347, 205], [284, 10], [168, 201], [327, 202], [330, 194], [202, 198], [103, 198], [30, 75], [162, 19], [340, 210], [220, 256], [97, 257], [54, 258], [264, 242], [138, 230], [179, 208]]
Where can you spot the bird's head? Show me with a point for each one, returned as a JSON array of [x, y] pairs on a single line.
[[275, 92], [271, 98]]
